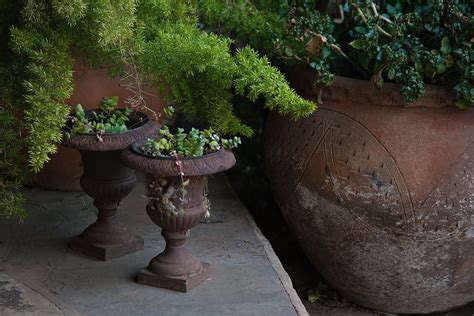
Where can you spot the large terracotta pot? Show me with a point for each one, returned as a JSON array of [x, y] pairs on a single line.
[[380, 195], [90, 86]]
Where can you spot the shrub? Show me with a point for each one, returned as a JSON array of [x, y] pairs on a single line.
[[407, 42], [150, 41]]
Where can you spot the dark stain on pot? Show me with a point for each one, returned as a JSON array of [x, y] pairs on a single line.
[[377, 181], [327, 171], [10, 298]]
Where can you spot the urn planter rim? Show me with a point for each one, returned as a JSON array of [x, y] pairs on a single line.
[[135, 147], [211, 163], [113, 141]]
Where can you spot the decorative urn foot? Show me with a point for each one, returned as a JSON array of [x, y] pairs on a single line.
[[176, 268], [108, 181], [106, 252]]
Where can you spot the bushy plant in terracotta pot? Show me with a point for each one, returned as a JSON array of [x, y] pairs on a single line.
[[377, 184], [100, 135], [177, 166]]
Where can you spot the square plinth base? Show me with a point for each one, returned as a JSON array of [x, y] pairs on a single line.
[[181, 284], [106, 252]]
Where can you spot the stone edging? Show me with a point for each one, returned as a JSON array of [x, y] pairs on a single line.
[[273, 259]]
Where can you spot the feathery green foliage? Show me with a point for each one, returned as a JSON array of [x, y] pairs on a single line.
[[160, 40], [258, 28], [258, 78], [201, 73]]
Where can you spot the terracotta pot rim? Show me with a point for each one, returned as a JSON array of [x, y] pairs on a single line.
[[360, 90], [113, 141]]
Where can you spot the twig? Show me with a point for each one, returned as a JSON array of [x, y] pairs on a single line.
[[341, 17], [137, 99], [362, 16], [374, 8], [179, 164], [381, 30]]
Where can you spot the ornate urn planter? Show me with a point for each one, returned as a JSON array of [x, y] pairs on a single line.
[[64, 170], [108, 181], [380, 194], [176, 268]]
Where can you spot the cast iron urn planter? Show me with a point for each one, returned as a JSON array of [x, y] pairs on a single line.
[[176, 268], [108, 181]]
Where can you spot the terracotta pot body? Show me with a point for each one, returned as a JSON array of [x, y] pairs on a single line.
[[64, 169], [380, 195], [108, 181], [176, 268]]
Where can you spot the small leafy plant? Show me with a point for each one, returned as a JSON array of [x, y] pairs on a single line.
[[170, 195], [107, 120], [193, 144]]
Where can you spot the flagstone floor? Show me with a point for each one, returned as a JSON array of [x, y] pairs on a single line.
[[41, 275]]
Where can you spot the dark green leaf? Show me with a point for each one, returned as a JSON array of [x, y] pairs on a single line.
[[440, 68], [445, 45], [359, 43]]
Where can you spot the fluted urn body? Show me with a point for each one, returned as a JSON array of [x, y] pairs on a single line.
[[176, 268], [108, 181]]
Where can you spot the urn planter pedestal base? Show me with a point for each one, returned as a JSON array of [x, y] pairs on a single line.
[[180, 284], [175, 268], [107, 180], [106, 252]]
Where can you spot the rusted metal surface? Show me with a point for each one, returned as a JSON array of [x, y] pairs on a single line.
[[108, 181], [380, 195], [176, 268], [143, 127], [218, 161]]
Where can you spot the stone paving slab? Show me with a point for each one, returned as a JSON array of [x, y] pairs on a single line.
[[247, 277], [18, 300]]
